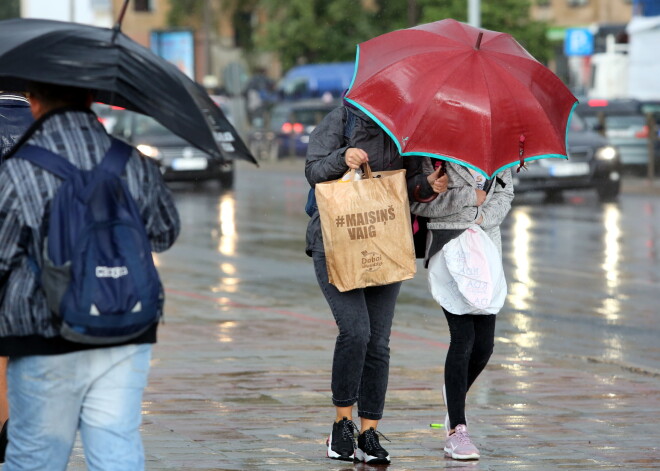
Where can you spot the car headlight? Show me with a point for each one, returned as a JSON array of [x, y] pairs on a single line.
[[607, 153], [149, 151]]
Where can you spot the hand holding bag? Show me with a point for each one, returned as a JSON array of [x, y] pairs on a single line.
[[466, 276], [366, 229]]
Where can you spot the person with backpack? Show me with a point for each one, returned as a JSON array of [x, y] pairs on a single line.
[[80, 214], [15, 118], [345, 139]]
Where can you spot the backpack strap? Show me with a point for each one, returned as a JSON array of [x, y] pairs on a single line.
[[116, 157], [47, 160], [114, 160]]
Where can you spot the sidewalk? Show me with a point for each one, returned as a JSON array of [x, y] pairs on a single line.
[[246, 387], [241, 373]]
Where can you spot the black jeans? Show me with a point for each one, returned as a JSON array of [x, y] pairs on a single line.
[[361, 362], [470, 348]]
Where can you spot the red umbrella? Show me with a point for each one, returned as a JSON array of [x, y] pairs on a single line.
[[464, 94]]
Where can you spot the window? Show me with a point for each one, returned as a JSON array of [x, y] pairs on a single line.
[[577, 3], [143, 5]]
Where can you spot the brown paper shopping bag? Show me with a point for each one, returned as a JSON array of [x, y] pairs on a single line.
[[366, 230]]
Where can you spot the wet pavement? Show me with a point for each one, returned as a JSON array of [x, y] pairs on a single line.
[[241, 373]]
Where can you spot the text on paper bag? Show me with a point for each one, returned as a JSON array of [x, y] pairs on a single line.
[[362, 225]]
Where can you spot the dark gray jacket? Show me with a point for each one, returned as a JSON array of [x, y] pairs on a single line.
[[325, 159]]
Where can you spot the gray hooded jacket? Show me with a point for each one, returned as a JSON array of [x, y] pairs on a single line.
[[457, 209]]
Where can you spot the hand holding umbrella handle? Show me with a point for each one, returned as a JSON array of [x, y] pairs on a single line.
[[438, 164]]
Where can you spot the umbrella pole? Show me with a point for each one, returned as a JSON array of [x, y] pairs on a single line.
[[117, 26]]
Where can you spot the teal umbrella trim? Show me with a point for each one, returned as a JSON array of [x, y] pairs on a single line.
[[355, 69], [451, 159]]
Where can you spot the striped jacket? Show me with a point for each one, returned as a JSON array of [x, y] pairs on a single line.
[[26, 190]]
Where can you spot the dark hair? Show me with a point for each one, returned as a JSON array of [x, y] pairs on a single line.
[[59, 94]]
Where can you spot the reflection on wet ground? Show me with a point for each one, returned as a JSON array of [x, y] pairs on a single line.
[[240, 377]]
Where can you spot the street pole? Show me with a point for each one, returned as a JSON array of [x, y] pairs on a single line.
[[474, 13], [412, 13], [72, 10], [207, 40], [652, 137]]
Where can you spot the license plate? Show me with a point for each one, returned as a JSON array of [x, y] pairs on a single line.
[[195, 163], [569, 169]]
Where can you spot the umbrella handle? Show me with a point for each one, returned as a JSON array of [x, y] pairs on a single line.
[[418, 188], [419, 199]]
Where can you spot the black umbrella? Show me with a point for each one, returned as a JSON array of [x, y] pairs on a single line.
[[120, 72]]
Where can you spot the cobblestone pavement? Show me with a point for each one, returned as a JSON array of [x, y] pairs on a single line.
[[240, 377]]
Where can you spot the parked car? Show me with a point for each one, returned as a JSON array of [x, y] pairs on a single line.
[[179, 160], [625, 127], [593, 163], [289, 127]]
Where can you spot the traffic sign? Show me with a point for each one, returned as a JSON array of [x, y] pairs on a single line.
[[578, 42]]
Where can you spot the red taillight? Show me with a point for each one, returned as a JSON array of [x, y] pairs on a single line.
[[643, 133], [116, 107], [102, 120], [298, 128], [287, 128], [594, 102]]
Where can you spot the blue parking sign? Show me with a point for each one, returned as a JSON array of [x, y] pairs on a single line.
[[578, 42]]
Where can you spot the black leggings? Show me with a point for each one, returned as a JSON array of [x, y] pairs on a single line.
[[472, 339]]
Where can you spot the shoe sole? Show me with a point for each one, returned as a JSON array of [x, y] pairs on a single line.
[[330, 453], [456, 456], [365, 458]]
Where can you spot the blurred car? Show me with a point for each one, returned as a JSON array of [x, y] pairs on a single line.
[[593, 163], [179, 161], [289, 127], [625, 127]]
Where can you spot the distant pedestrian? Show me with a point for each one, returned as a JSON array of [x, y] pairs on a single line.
[[470, 199], [345, 139], [15, 118], [56, 386]]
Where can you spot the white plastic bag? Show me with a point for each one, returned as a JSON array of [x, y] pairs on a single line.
[[466, 276]]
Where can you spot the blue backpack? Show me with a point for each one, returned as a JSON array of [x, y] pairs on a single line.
[[310, 206], [98, 273]]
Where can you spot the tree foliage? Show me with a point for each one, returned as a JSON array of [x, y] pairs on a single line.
[[10, 9], [302, 31], [328, 30], [315, 30]]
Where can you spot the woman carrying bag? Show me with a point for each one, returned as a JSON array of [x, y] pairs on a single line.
[[344, 140], [469, 200]]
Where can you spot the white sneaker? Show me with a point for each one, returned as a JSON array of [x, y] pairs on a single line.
[[459, 446]]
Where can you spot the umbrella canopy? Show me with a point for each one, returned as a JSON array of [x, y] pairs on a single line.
[[120, 72], [464, 94]]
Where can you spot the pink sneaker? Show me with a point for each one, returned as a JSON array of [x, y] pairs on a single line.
[[459, 446]]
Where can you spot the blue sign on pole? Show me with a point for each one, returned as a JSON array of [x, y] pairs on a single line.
[[578, 42], [178, 47]]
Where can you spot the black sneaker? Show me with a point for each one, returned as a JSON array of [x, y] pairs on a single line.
[[3, 441], [341, 442], [369, 449]]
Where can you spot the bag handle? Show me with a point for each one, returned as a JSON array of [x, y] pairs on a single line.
[[366, 171]]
